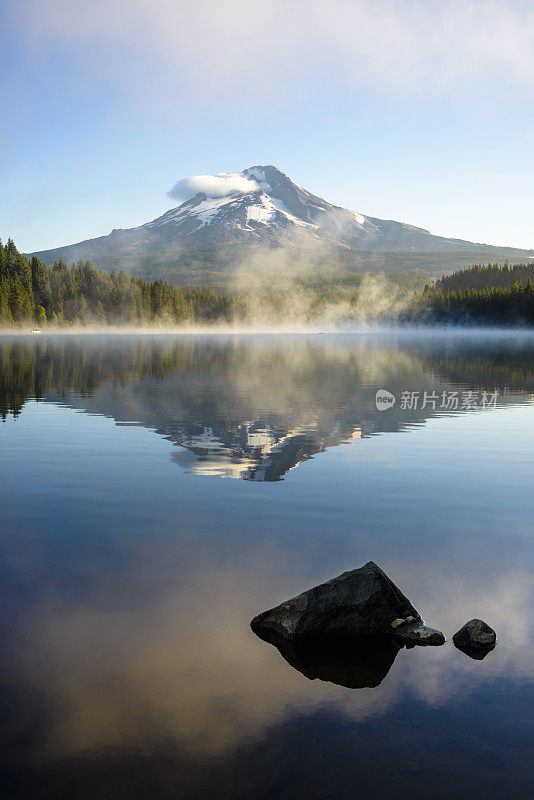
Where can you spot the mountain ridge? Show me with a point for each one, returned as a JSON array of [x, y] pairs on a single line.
[[274, 212]]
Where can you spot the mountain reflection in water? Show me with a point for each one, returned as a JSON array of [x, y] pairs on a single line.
[[127, 665], [255, 408]]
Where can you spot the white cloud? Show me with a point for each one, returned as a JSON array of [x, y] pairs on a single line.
[[270, 50], [220, 185]]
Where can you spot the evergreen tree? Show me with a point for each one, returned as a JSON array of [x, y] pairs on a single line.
[[40, 316], [100, 314]]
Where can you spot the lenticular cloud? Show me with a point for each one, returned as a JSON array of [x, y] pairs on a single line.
[[220, 185]]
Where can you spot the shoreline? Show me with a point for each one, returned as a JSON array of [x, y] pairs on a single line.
[[436, 330]]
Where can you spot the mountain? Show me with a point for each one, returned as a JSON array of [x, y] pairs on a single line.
[[281, 212], [210, 231]]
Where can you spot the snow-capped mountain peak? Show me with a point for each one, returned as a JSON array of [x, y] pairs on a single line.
[[259, 206], [275, 210]]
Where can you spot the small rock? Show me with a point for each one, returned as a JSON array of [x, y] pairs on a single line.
[[397, 622], [417, 633], [476, 635], [410, 619]]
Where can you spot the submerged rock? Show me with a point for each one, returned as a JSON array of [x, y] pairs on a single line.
[[475, 635], [363, 601]]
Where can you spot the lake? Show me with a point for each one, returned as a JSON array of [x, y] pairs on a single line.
[[158, 492]]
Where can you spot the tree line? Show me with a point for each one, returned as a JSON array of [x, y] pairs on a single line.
[[489, 294], [31, 292], [65, 296], [487, 276], [495, 306], [69, 296]]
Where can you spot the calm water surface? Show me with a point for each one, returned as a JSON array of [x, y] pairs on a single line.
[[158, 492]]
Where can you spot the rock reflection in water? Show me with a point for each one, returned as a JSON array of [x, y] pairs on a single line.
[[356, 662], [476, 653]]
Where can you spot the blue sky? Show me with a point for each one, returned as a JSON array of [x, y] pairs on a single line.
[[401, 109]]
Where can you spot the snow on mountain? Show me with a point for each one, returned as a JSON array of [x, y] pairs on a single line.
[[259, 206], [278, 210]]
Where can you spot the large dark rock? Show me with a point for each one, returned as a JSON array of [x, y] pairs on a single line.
[[476, 635], [361, 602]]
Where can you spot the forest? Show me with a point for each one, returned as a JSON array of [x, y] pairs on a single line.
[[80, 294], [70, 296], [482, 295], [490, 276], [33, 294]]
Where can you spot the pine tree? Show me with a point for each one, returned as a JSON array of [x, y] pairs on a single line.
[[40, 316], [20, 302], [100, 314]]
